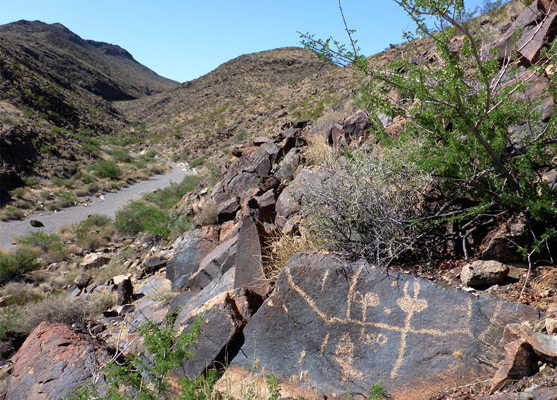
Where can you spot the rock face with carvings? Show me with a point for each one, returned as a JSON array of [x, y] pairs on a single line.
[[344, 327]]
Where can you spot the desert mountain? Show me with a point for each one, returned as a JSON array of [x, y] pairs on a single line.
[[103, 69], [56, 90], [248, 96]]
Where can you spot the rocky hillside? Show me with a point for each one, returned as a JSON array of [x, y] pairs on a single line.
[[55, 85], [103, 69], [245, 97], [289, 278]]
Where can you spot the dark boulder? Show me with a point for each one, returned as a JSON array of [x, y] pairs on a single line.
[[249, 263], [189, 250], [348, 325]]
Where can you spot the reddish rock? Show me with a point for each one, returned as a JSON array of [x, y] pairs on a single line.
[[10, 343], [536, 32], [354, 128], [228, 230], [53, 360], [517, 364], [537, 89], [546, 6], [545, 346], [227, 210]]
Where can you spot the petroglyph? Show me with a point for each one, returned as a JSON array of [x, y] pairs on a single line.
[[360, 307]]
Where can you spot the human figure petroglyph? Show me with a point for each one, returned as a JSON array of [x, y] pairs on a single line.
[[361, 306]]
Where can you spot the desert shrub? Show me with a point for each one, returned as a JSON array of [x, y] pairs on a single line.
[[10, 318], [207, 215], [18, 192], [50, 245], [90, 232], [369, 206], [140, 216], [16, 263], [18, 293], [67, 199], [93, 188], [54, 309], [120, 154], [107, 169], [156, 169], [197, 162], [11, 213], [43, 240], [31, 181]]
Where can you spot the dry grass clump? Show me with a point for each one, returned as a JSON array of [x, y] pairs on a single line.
[[64, 310], [281, 248], [19, 293], [331, 115], [545, 280], [319, 153], [207, 215]]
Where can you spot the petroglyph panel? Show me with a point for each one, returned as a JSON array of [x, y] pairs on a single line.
[[350, 326]]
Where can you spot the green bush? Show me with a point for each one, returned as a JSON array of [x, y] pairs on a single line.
[[483, 140], [16, 263], [9, 319], [107, 169], [166, 198], [31, 181], [197, 162], [140, 216], [18, 192], [120, 154], [87, 231], [143, 378]]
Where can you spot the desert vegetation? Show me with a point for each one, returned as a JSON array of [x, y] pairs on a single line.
[[469, 122]]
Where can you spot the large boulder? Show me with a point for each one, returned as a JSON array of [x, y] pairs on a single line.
[[53, 360], [346, 326], [500, 243], [224, 317], [354, 128], [249, 259], [215, 264], [484, 273], [189, 250]]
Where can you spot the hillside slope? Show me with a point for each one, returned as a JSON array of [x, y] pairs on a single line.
[[248, 96], [55, 93]]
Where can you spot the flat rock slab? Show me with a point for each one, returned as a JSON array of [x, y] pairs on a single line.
[[345, 327]]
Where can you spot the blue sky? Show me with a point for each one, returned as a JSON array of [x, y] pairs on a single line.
[[185, 39]]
